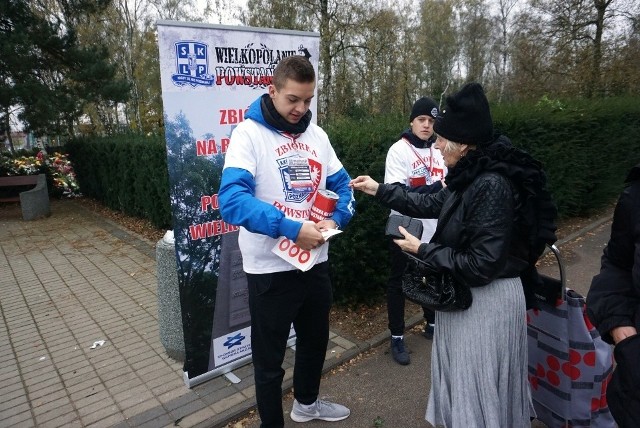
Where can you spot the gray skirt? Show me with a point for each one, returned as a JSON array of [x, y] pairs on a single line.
[[479, 361]]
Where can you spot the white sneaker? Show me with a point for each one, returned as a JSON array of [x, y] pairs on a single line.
[[323, 410]]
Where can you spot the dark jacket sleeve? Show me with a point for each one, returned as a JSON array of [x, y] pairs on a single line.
[[484, 234], [419, 205], [612, 300], [426, 189]]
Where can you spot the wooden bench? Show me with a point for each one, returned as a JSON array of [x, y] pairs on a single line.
[[33, 202]]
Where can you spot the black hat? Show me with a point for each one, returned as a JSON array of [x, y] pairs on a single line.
[[466, 118], [424, 106]]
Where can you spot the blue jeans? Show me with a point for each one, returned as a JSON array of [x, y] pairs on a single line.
[[277, 300]]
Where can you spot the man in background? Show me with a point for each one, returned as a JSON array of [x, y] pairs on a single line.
[[413, 162]]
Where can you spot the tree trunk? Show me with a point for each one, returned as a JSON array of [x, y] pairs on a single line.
[[595, 87], [505, 10], [325, 59], [7, 130]]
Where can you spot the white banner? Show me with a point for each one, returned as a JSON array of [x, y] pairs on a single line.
[[210, 75]]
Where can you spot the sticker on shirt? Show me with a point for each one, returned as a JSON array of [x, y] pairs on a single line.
[[299, 173], [422, 172], [300, 178]]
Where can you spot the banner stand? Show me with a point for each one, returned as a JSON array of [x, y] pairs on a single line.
[[232, 378], [191, 382], [210, 74], [222, 371]]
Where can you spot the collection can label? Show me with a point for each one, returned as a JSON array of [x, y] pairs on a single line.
[[324, 205]]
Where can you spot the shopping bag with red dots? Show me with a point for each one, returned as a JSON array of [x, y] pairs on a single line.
[[569, 364]]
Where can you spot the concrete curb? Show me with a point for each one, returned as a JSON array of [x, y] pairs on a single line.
[[588, 228]]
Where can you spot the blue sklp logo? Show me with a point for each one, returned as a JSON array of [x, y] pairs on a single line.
[[192, 64], [234, 340]]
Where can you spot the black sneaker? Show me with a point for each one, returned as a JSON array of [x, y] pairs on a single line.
[[428, 331], [399, 352]]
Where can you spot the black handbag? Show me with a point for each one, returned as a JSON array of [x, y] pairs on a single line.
[[433, 290], [438, 291]]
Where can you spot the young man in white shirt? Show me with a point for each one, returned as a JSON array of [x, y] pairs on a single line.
[[276, 162], [413, 162]]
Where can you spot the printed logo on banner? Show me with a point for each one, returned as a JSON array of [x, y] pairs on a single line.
[[304, 51], [300, 180], [192, 64], [234, 340], [232, 346]]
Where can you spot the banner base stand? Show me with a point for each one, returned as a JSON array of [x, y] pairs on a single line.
[[191, 382], [226, 370]]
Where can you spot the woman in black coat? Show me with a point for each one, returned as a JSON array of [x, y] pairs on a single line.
[[499, 217], [613, 303]]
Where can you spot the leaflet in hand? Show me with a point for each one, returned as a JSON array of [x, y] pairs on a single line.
[[301, 259]]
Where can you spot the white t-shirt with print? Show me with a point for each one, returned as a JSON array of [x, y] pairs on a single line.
[[266, 154], [404, 160]]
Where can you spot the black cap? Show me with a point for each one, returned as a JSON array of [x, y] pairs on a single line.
[[424, 106], [467, 117]]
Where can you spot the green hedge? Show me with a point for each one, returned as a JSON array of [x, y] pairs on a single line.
[[586, 147], [126, 173]]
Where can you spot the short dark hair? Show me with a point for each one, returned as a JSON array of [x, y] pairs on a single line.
[[295, 67]]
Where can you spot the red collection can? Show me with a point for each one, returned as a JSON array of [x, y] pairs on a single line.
[[323, 205], [417, 181]]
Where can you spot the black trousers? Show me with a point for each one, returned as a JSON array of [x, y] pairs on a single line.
[[395, 298], [276, 301]]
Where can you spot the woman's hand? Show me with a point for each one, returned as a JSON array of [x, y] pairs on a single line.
[[410, 243], [621, 333], [365, 184]]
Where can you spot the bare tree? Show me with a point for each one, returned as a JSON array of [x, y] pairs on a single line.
[[601, 9], [439, 44], [185, 10], [284, 14], [577, 29], [530, 54], [505, 7], [475, 38], [337, 21], [537, 47], [380, 55]]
